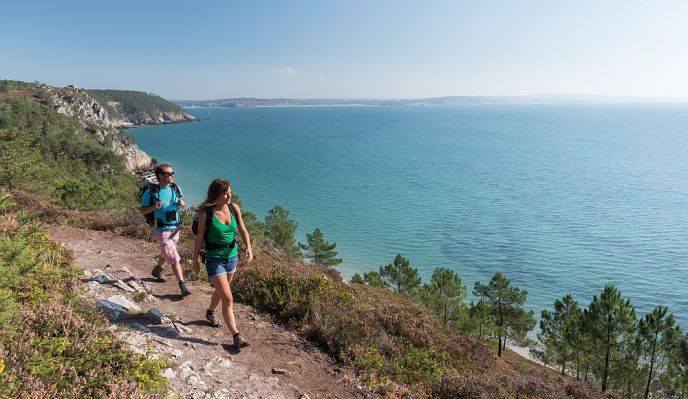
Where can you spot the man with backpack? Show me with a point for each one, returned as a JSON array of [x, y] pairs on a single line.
[[160, 203]]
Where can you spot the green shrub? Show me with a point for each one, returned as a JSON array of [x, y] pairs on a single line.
[[417, 365], [52, 345], [52, 156]]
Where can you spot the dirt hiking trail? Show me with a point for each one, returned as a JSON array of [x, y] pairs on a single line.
[[278, 364]]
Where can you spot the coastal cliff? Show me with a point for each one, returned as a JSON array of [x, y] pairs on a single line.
[[94, 118], [104, 113], [129, 108]]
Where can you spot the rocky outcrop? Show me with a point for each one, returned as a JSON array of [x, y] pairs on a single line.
[[159, 118], [76, 103]]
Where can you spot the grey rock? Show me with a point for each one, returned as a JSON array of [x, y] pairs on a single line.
[[176, 352], [134, 339], [123, 286], [100, 278], [139, 327], [224, 362], [139, 350], [182, 328], [169, 373], [117, 307], [156, 316], [124, 302], [135, 286], [166, 332]]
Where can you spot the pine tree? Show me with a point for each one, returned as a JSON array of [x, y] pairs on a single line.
[[613, 324], [444, 295], [400, 276], [357, 279], [517, 327], [281, 229], [481, 317], [371, 278], [321, 251], [674, 380], [559, 330], [658, 337], [504, 302]]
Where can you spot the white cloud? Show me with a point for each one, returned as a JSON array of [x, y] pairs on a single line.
[[321, 77], [287, 72]]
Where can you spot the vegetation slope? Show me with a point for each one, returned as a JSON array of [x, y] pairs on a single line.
[[136, 106]]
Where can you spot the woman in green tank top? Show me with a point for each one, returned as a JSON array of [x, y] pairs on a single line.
[[218, 221]]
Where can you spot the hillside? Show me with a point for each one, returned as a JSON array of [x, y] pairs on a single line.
[[128, 108], [379, 343], [26, 103]]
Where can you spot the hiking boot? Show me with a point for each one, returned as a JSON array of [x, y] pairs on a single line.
[[240, 342], [159, 273], [184, 289], [210, 316]]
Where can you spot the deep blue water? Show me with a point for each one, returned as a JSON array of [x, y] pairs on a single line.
[[559, 198]]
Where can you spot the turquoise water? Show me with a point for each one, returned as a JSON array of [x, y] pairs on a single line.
[[560, 198]]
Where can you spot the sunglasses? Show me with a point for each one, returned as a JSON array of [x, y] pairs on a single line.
[[167, 173]]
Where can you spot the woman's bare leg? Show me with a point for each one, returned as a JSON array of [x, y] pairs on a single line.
[[224, 291]]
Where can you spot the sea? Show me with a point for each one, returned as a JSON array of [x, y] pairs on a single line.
[[560, 198]]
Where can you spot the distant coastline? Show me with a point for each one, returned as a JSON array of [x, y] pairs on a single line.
[[248, 102], [286, 106]]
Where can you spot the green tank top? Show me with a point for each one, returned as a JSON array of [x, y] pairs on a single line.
[[221, 233]]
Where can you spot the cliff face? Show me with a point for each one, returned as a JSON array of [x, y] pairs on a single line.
[[128, 108], [76, 103], [159, 118]]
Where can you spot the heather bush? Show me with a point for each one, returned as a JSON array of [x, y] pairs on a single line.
[[455, 385], [398, 348], [51, 345], [389, 339], [367, 360], [417, 365], [68, 352]]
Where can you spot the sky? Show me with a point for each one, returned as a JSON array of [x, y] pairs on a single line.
[[350, 48]]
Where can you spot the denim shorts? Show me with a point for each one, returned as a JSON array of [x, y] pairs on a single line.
[[218, 267]]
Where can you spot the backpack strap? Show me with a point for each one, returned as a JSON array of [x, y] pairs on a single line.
[[155, 196], [208, 219], [176, 190], [233, 211], [154, 193]]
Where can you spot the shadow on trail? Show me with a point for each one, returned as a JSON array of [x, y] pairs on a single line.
[[233, 350], [202, 323], [169, 297]]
